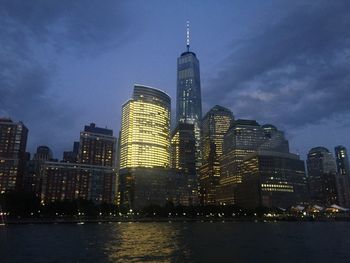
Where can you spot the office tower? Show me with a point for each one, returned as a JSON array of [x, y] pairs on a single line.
[[274, 139], [145, 133], [214, 126], [322, 171], [97, 146], [188, 100], [183, 155], [342, 160], [145, 148], [32, 178], [183, 160], [343, 176], [69, 181], [243, 138], [72, 156], [13, 141], [272, 179], [43, 153]]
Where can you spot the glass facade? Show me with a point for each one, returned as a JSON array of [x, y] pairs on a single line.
[[322, 171], [145, 132], [342, 159], [242, 139], [183, 149], [189, 102], [215, 124], [272, 179]]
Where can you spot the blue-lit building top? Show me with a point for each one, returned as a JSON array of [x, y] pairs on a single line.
[[189, 101]]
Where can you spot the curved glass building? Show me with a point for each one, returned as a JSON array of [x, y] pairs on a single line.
[[145, 131]]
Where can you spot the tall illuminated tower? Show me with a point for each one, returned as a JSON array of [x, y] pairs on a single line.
[[145, 172], [145, 133], [189, 101]]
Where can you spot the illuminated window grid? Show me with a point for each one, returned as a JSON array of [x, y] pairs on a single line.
[[145, 138]]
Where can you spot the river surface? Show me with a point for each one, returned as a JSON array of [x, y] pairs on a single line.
[[234, 242]]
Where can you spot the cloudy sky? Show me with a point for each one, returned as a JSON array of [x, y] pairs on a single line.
[[64, 64]]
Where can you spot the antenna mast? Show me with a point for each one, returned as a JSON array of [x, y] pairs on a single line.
[[188, 36]]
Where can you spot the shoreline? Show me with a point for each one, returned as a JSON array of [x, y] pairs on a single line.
[[23, 221]]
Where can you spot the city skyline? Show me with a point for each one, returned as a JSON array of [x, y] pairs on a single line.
[[66, 70]]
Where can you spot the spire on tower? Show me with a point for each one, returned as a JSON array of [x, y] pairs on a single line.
[[188, 36]]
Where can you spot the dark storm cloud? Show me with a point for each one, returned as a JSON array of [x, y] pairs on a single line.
[[32, 35], [295, 71]]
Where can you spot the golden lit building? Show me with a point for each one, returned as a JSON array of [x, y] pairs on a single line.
[[145, 133], [145, 149]]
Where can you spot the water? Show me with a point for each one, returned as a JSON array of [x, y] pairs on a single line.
[[177, 242]]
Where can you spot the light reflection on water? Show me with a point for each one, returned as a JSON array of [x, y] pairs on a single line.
[[237, 242], [153, 242]]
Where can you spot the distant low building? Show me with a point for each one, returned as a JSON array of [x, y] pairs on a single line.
[[68, 181], [141, 187]]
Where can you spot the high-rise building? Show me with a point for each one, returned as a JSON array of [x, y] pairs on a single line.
[[13, 141], [342, 160], [72, 156], [243, 138], [215, 124], [183, 160], [145, 133], [183, 156], [145, 148], [188, 99], [32, 177], [97, 146], [272, 179], [343, 175], [322, 172], [43, 153]]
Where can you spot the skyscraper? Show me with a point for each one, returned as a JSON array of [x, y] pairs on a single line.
[[97, 146], [342, 160], [43, 153], [215, 124], [214, 127], [145, 133], [189, 101], [322, 176], [13, 141], [182, 147], [245, 137], [343, 175], [145, 148]]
